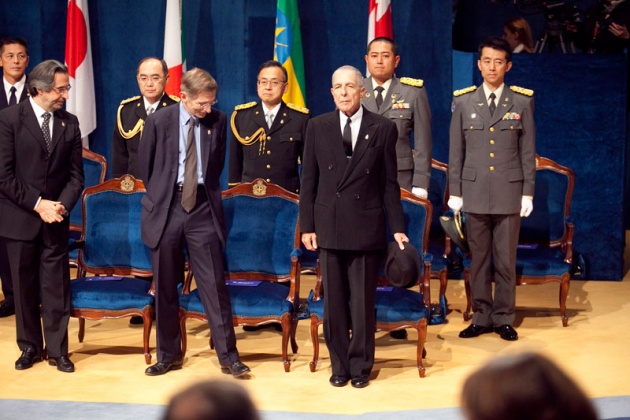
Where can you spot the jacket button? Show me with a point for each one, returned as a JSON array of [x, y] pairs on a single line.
[[330, 167], [268, 137], [268, 152], [268, 180], [491, 141], [492, 168], [268, 166], [491, 129], [367, 171], [338, 195], [491, 155], [357, 196]]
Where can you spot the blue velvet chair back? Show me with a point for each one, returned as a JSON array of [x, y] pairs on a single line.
[[261, 244], [552, 205], [94, 170], [111, 227]]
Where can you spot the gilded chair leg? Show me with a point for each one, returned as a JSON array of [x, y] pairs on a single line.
[[315, 339], [81, 329], [147, 321]]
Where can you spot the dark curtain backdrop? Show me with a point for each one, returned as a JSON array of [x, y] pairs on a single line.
[[231, 38]]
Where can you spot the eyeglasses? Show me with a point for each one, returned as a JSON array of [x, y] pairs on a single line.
[[145, 79], [63, 89], [206, 105], [273, 82]]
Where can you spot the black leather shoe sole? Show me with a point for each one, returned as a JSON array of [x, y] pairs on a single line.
[[26, 361], [359, 382], [236, 369], [338, 381], [474, 330], [162, 368]]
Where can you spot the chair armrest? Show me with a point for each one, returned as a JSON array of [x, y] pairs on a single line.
[[425, 286], [78, 244]]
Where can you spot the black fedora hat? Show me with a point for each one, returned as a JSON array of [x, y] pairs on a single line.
[[402, 267], [455, 228]]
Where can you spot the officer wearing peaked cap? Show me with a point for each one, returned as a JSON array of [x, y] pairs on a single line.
[[268, 137], [152, 75]]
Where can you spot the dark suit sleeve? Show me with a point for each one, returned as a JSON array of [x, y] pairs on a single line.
[[222, 140], [457, 151], [527, 147], [235, 170], [391, 186], [72, 190], [423, 143], [310, 176], [146, 150]]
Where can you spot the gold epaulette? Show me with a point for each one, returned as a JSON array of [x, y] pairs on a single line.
[[298, 108], [126, 101], [460, 92], [175, 98], [412, 82], [139, 124], [244, 106], [522, 91]]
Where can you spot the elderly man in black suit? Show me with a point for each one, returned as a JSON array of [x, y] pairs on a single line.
[[14, 60], [181, 157], [492, 170], [349, 187], [41, 179]]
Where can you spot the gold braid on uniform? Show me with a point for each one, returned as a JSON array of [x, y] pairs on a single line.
[[135, 130], [248, 140], [522, 91]]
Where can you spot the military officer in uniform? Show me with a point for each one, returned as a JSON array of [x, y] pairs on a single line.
[[492, 169], [268, 137], [152, 75], [405, 102]]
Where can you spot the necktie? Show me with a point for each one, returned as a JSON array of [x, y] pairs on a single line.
[[13, 98], [492, 105], [189, 193], [46, 130], [269, 119], [347, 138], [379, 96], [150, 111]]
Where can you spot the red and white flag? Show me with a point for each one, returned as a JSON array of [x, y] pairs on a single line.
[[379, 21], [174, 54], [81, 98]]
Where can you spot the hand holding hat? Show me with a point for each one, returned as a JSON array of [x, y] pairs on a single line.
[[455, 203]]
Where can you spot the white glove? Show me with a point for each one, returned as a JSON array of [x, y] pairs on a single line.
[[419, 192], [455, 203], [527, 206]]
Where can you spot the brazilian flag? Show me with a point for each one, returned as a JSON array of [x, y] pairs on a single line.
[[288, 50]]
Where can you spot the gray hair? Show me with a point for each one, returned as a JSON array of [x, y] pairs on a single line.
[[198, 80], [357, 74], [43, 76]]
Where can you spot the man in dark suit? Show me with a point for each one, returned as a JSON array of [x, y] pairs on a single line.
[[349, 187], [41, 178], [267, 138], [181, 157], [492, 170], [404, 101], [14, 60], [152, 75]]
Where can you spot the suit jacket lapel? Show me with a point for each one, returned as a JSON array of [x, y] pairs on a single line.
[[364, 139], [280, 119], [392, 95], [59, 127], [3, 97], [480, 104], [504, 104], [205, 137], [30, 121], [369, 100]]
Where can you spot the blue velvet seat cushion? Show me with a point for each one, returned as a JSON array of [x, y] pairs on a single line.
[[399, 305], [538, 262], [264, 300], [541, 261], [393, 305], [115, 295]]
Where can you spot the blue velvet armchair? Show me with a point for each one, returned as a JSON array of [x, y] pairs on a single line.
[[545, 252], [112, 250], [94, 169], [396, 308], [262, 261]]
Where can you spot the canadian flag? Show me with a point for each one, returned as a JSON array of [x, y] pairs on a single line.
[[81, 98], [379, 21], [173, 46]]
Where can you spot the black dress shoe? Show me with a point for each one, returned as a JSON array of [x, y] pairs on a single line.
[[27, 359], [360, 382], [237, 369], [507, 332], [338, 380], [399, 334], [63, 363], [161, 368], [7, 309], [136, 320], [475, 330]]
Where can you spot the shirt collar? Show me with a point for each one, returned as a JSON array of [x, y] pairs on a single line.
[[385, 85], [154, 105], [356, 117], [497, 93], [18, 86], [37, 109], [273, 110]]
